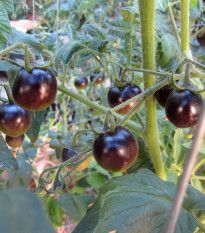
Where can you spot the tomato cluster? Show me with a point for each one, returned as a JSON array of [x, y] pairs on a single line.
[[182, 107], [33, 90]]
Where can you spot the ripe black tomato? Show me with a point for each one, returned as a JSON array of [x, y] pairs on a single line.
[[115, 151], [81, 83], [14, 120], [117, 95], [163, 93], [67, 154], [182, 108], [36, 90], [14, 142], [99, 80]]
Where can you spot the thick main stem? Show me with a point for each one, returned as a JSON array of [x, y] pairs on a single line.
[[185, 50], [147, 18]]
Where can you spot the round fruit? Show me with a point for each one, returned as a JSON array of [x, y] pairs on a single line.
[[14, 142], [115, 151], [14, 120], [99, 80], [182, 108], [117, 95], [36, 90], [69, 153], [163, 93], [81, 83]]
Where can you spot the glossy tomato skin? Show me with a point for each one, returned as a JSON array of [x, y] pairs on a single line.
[[14, 142], [182, 108], [36, 90], [99, 80], [14, 120], [81, 83], [162, 94], [67, 154], [117, 95], [115, 151]]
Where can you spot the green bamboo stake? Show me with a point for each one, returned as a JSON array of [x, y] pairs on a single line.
[[147, 19]]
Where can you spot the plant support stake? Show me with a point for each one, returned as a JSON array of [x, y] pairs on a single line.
[[190, 162]]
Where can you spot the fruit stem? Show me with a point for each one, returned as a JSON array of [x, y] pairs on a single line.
[[147, 19], [8, 92], [185, 50], [139, 118], [130, 124], [77, 134], [171, 15]]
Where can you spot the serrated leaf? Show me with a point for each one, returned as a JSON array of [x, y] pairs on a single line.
[[193, 3], [21, 212], [32, 42], [87, 4], [7, 161], [23, 176], [75, 205], [95, 31], [169, 48], [34, 129], [162, 5], [140, 203], [129, 13], [8, 5], [118, 25], [4, 21], [72, 51]]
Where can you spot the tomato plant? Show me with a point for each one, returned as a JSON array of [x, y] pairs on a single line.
[[96, 151]]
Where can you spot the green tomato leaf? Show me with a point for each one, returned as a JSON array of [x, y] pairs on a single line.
[[193, 3], [8, 5], [118, 25], [162, 5], [21, 212], [4, 20], [95, 180], [95, 31], [34, 129], [140, 203], [7, 161], [87, 4], [177, 146], [23, 176], [3, 39], [75, 205], [129, 13]]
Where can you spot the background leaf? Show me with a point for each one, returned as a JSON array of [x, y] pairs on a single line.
[[140, 203], [95, 31], [87, 4], [193, 3], [75, 205], [8, 5], [21, 212], [7, 161], [118, 25], [34, 129], [162, 5]]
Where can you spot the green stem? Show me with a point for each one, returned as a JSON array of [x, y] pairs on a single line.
[[185, 50], [132, 112], [197, 166], [101, 109], [170, 12], [139, 118], [200, 225], [130, 49], [147, 19], [196, 33], [78, 133], [8, 92], [65, 119]]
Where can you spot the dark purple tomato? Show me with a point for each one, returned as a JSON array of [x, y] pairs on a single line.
[[67, 154], [14, 120], [115, 151], [36, 90], [99, 80], [182, 108], [14, 142], [81, 83], [163, 93], [118, 95]]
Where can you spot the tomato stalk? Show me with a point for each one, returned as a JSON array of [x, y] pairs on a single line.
[[147, 19], [185, 50]]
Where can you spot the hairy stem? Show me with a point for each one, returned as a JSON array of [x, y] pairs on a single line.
[[147, 19]]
